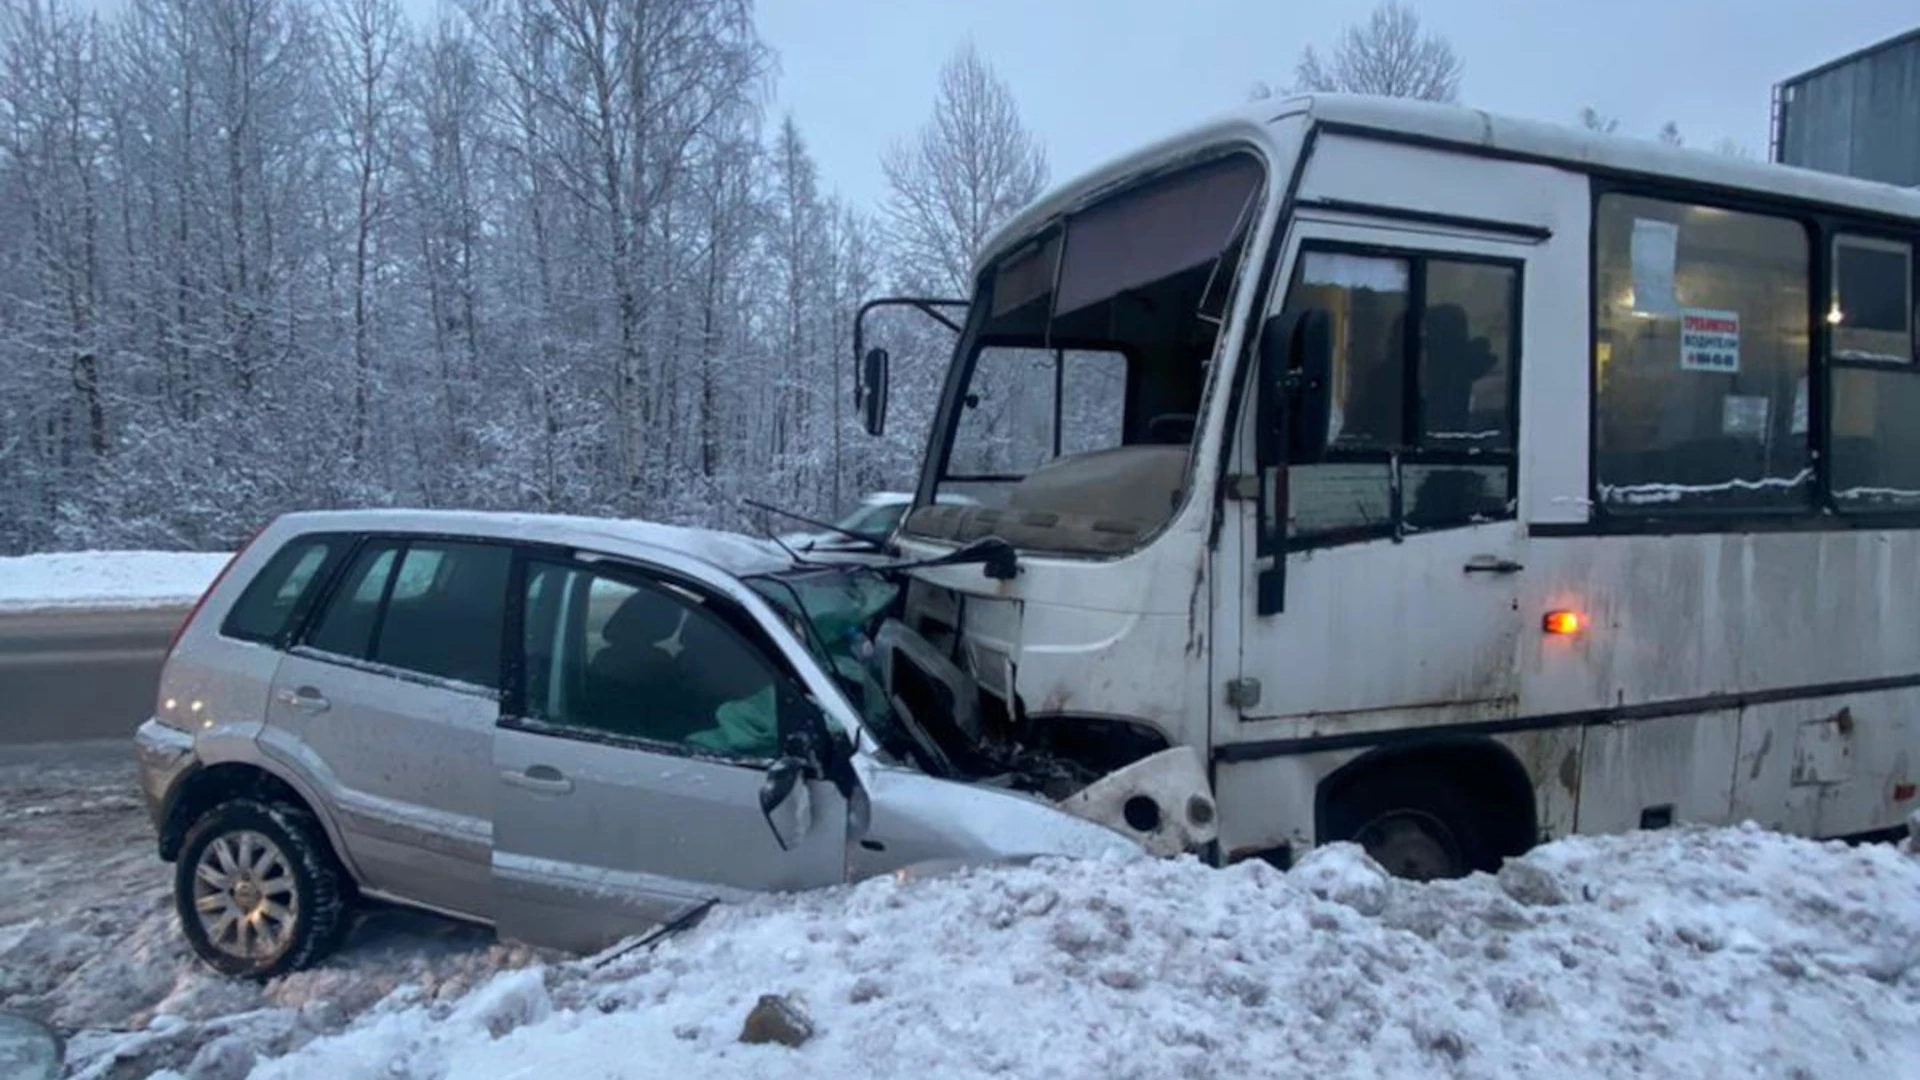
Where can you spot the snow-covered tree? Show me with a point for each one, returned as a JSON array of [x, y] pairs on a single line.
[[260, 255]]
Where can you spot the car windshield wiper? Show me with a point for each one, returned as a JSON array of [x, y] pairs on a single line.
[[860, 538]]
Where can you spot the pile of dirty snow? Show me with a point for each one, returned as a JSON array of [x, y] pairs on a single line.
[[1684, 953], [105, 579]]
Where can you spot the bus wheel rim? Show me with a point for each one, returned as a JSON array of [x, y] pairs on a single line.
[[1412, 844]]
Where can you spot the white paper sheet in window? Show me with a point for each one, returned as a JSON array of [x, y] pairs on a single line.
[[1355, 272]]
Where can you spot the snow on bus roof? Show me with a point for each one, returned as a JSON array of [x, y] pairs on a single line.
[[1471, 130]]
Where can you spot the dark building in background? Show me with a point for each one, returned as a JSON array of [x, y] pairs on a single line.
[[1858, 115]]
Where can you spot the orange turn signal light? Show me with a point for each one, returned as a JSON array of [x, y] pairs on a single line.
[[1563, 622]]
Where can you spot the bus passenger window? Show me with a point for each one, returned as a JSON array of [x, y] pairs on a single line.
[[1700, 358], [1875, 454]]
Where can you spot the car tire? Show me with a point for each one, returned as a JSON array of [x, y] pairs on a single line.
[[258, 891], [1415, 825]]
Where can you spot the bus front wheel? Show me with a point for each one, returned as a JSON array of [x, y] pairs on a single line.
[[1419, 827]]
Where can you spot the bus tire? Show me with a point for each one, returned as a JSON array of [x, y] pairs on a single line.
[[1416, 824]]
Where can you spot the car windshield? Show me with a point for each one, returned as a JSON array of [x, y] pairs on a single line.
[[833, 610], [1078, 382]]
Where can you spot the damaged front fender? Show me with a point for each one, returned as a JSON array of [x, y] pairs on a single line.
[[1163, 802]]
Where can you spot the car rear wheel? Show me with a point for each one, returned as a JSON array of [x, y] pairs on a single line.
[[258, 890]]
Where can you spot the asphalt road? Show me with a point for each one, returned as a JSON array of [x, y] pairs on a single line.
[[66, 676]]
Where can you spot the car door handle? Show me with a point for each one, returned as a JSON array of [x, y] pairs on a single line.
[[543, 778], [1489, 564], [305, 698]]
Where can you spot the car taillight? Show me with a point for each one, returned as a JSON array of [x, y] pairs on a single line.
[[181, 629]]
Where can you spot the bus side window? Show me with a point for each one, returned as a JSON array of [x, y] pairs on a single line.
[[1871, 312], [1698, 372], [1428, 387]]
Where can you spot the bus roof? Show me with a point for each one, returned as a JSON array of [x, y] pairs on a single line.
[[1473, 131]]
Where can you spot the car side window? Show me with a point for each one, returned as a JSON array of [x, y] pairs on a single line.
[[268, 605], [345, 626], [433, 607], [623, 656]]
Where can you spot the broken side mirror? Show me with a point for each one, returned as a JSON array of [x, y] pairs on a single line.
[[785, 801], [871, 393]]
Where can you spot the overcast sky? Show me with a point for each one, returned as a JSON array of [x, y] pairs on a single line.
[[1094, 77]]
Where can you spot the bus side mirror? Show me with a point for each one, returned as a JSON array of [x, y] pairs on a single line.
[[1296, 369], [871, 393], [1310, 387]]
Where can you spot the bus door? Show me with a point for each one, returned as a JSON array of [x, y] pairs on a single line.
[[1384, 583]]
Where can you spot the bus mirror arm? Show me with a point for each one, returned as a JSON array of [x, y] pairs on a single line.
[[870, 377]]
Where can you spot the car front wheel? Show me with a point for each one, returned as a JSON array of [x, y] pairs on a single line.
[[258, 890]]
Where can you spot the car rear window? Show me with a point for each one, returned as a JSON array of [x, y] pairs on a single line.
[[267, 607], [430, 606]]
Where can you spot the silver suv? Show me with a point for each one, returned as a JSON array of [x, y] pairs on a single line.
[[572, 730]]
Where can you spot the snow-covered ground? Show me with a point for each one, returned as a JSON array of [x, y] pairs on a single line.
[[88, 941], [118, 579], [1689, 953]]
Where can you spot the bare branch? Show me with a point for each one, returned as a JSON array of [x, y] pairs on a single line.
[[1389, 56]]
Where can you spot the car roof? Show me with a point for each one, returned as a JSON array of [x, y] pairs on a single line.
[[732, 553]]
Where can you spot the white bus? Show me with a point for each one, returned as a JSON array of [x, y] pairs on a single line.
[[1451, 482]]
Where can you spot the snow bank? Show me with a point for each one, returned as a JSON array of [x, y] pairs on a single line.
[[1684, 953], [105, 579]]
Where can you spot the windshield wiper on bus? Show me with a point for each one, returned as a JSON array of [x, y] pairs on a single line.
[[859, 538]]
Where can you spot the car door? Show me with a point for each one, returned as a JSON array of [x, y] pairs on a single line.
[[630, 760], [386, 706]]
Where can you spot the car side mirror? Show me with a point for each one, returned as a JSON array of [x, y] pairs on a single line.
[[871, 393], [785, 801]]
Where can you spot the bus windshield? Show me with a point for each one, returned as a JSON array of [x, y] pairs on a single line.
[[1072, 403]]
